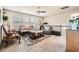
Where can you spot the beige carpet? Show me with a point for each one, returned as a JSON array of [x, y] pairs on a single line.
[[50, 44]]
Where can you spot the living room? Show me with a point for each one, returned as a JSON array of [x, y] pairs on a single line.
[[37, 28]]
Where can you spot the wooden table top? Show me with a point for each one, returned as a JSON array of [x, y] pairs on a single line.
[[35, 31]]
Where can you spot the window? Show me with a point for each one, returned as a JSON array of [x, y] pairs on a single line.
[[25, 19]]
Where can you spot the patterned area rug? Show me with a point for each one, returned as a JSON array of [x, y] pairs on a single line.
[[31, 42]]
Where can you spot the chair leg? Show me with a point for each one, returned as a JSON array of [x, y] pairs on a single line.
[[4, 43], [19, 39]]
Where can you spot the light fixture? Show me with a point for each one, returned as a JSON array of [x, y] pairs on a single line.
[[39, 11], [65, 7]]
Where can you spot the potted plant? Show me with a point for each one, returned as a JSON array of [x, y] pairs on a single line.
[[5, 18], [5, 21]]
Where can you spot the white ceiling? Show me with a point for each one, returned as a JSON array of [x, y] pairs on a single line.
[[50, 10]]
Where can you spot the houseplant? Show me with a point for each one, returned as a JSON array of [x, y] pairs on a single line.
[[5, 21], [5, 18]]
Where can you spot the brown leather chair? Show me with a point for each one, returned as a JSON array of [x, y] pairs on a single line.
[[9, 37]]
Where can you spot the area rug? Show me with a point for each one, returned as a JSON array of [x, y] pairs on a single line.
[[32, 42]]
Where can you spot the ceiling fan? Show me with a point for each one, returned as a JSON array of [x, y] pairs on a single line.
[[65, 7], [39, 11]]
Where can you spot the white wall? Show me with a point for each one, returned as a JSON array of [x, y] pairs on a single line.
[[62, 19], [10, 15]]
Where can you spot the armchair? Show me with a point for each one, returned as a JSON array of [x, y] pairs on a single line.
[[9, 37]]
